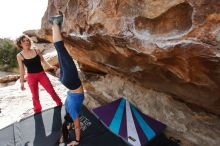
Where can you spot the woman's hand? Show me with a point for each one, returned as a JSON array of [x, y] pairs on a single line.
[[73, 143], [22, 86], [54, 68]]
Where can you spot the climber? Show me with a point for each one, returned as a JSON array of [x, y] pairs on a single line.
[[70, 79]]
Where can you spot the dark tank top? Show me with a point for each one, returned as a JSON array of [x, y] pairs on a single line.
[[33, 65]]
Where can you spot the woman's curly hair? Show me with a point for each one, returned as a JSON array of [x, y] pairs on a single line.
[[20, 39]]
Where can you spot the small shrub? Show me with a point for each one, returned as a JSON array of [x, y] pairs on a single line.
[[8, 52]]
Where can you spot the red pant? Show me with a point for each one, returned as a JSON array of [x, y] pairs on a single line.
[[41, 77]]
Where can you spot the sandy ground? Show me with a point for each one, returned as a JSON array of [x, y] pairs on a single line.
[[16, 104]]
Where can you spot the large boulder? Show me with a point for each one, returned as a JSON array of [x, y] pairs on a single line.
[[170, 46]]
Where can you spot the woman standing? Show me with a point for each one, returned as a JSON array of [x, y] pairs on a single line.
[[31, 59], [69, 78]]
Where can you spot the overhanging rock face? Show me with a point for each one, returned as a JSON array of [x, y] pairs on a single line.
[[170, 46]]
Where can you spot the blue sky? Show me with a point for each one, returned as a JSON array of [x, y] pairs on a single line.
[[17, 16]]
